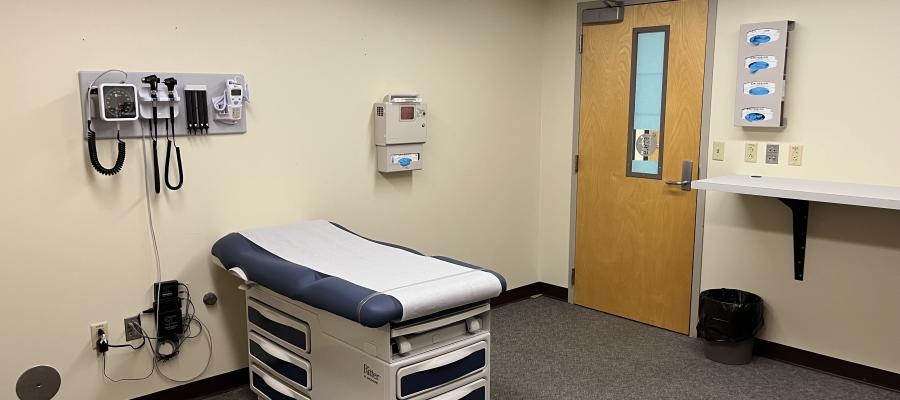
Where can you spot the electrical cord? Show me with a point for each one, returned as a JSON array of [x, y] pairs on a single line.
[[103, 347], [190, 313], [153, 240], [189, 317], [208, 358], [162, 358], [152, 368], [143, 342]]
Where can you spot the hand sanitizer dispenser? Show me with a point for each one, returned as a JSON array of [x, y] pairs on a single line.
[[399, 132]]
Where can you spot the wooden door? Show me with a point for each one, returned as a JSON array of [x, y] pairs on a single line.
[[634, 233]]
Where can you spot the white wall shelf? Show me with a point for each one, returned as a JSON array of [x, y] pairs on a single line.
[[797, 193]]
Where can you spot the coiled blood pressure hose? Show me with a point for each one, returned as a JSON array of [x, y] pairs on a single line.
[[95, 160], [92, 136]]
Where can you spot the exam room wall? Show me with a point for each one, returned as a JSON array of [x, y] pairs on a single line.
[[75, 244], [841, 100]]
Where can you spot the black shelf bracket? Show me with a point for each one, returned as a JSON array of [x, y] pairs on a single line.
[[800, 210]]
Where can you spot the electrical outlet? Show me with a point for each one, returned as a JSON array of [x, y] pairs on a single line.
[[750, 151], [95, 328], [718, 151], [133, 328], [772, 154], [795, 157]]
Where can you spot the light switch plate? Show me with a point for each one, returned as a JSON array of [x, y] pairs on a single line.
[[750, 152], [795, 157], [771, 154], [718, 151]]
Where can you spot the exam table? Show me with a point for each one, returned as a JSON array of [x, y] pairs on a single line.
[[332, 315]]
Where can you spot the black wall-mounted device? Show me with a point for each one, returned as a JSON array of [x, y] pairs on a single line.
[[169, 319]]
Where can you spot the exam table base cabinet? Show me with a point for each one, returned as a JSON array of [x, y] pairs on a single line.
[[299, 352]]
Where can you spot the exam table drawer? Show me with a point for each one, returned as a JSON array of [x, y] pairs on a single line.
[[277, 326], [284, 364], [474, 391], [441, 370], [270, 388]]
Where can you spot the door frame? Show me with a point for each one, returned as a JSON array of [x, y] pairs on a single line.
[[701, 160]]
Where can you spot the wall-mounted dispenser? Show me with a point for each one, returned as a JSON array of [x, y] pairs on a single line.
[[399, 132], [761, 77]]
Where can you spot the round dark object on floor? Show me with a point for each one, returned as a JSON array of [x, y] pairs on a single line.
[[38, 383]]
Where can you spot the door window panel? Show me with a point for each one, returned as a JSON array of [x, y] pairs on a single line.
[[648, 102]]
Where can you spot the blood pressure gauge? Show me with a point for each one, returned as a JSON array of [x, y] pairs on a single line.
[[118, 102]]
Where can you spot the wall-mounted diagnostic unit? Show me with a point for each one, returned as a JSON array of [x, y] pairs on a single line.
[[118, 102], [762, 58], [399, 132], [141, 104]]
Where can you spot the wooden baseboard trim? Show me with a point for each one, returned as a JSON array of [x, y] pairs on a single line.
[[204, 387], [529, 290], [830, 365]]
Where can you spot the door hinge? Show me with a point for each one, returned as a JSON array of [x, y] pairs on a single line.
[[576, 162], [580, 44], [572, 278]]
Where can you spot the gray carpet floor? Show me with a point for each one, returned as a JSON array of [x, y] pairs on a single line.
[[547, 349]]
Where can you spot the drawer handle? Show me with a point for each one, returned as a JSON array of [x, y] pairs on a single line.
[[276, 352], [443, 360], [278, 318], [277, 386], [456, 395]]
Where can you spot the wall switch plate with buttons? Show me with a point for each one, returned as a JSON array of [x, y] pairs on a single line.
[[718, 151], [772, 154]]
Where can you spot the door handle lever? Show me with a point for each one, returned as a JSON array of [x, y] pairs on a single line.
[[687, 172], [677, 183]]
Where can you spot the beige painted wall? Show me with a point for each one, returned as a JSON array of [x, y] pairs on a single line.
[[557, 97], [847, 305], [75, 244], [840, 104]]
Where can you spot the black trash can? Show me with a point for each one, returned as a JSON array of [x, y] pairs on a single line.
[[729, 320]]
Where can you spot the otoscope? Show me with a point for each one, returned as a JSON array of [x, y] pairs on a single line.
[[153, 81], [170, 84]]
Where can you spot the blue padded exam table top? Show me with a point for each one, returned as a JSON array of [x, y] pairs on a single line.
[[374, 283]]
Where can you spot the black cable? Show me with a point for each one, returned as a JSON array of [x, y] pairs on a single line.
[[152, 368], [153, 81], [143, 342], [92, 136], [155, 167], [95, 159], [170, 84], [178, 159], [157, 358]]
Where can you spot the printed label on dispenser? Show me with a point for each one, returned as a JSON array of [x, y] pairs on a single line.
[[758, 63], [756, 114], [757, 37], [405, 160], [759, 88]]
